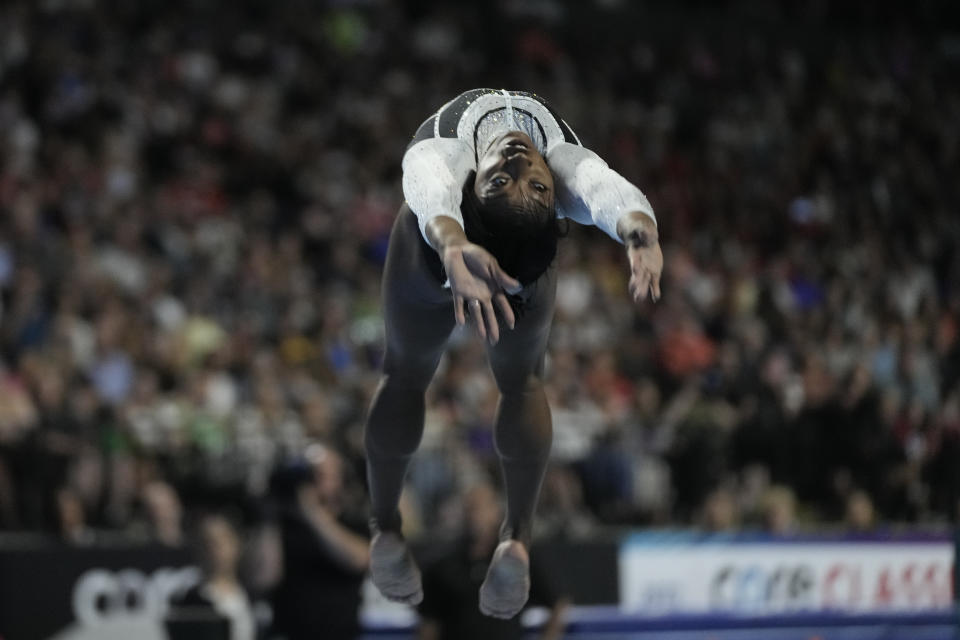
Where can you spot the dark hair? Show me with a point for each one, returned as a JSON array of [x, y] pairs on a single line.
[[521, 236]]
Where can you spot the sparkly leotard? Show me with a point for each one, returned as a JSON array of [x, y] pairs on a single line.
[[446, 147]]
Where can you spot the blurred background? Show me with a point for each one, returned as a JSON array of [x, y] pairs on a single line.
[[195, 200]]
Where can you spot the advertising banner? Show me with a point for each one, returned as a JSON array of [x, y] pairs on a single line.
[[690, 574], [93, 592]]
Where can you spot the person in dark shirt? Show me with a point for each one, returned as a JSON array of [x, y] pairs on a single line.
[[325, 554], [451, 583]]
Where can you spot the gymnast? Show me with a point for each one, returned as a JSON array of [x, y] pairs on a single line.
[[486, 180]]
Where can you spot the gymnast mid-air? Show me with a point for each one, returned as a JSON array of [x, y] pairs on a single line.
[[486, 181]]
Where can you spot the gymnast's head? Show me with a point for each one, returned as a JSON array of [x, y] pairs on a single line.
[[513, 187]]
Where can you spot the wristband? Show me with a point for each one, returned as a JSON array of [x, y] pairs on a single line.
[[638, 239]]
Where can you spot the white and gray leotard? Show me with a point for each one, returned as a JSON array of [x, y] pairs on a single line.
[[446, 147]]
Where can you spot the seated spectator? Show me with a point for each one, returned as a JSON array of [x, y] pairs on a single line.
[[779, 510], [451, 583], [164, 514], [860, 515], [720, 512], [72, 518], [561, 512], [219, 594]]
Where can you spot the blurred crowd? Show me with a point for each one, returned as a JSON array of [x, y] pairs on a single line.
[[195, 200]]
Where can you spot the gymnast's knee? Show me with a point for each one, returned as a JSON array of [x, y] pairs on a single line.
[[517, 383], [411, 372], [524, 431], [407, 380], [391, 440]]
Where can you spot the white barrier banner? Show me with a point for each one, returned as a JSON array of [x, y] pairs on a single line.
[[664, 576]]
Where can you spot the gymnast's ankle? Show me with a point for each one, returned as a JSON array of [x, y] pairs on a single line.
[[392, 524]]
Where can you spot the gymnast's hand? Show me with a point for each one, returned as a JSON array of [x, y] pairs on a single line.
[[476, 279], [639, 234], [478, 283]]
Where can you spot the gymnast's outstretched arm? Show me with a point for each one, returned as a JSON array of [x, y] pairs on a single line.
[[587, 191], [590, 192], [434, 171]]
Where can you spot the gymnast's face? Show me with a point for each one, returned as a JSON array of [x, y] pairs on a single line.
[[512, 170]]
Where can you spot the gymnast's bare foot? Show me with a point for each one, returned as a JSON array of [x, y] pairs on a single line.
[[393, 570], [507, 585]]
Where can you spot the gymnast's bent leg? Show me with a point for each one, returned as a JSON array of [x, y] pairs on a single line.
[[523, 433], [418, 314]]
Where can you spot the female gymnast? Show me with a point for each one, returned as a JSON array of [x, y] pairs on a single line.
[[485, 180]]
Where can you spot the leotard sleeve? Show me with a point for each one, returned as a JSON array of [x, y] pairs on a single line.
[[434, 171], [590, 192]]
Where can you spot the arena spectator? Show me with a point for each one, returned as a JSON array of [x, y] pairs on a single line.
[[720, 512], [72, 519], [325, 553], [452, 580], [220, 593], [860, 514], [561, 512], [195, 200], [164, 514], [780, 511]]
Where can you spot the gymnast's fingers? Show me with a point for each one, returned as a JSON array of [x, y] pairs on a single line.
[[493, 328], [508, 283], [458, 310], [476, 312], [506, 310], [643, 284]]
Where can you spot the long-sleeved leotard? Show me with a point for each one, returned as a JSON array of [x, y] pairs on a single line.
[[447, 145], [419, 318]]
